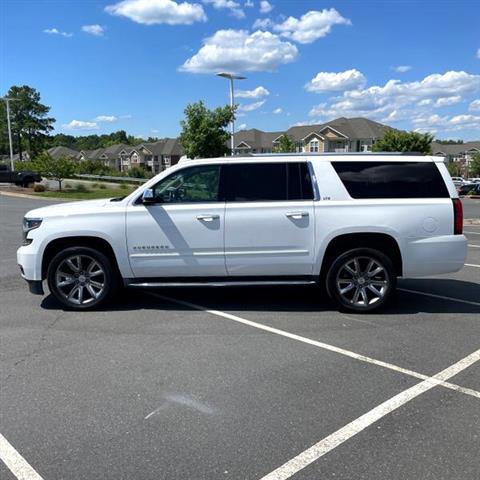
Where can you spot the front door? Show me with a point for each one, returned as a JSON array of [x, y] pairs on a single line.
[[181, 235], [269, 219]]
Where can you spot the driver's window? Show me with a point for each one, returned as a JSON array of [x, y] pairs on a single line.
[[195, 184]]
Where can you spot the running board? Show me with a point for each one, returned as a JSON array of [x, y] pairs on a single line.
[[247, 283]]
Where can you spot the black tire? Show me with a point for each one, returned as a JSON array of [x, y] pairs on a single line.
[[27, 182], [349, 283], [88, 282]]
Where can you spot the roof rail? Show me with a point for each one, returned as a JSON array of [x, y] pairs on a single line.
[[320, 154]]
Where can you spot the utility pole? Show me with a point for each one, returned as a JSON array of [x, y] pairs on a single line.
[[7, 101], [231, 77]]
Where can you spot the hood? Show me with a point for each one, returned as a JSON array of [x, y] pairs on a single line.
[[70, 208]]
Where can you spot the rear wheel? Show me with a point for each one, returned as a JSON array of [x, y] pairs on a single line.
[[27, 182], [81, 278], [361, 280]]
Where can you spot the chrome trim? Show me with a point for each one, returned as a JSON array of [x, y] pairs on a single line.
[[222, 284]]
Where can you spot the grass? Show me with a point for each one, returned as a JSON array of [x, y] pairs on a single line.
[[87, 195]]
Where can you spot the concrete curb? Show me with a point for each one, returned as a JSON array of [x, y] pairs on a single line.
[[34, 197]]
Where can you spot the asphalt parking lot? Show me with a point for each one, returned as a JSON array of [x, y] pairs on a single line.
[[240, 383]]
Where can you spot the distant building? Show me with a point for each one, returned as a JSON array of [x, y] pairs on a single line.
[[457, 152], [340, 135]]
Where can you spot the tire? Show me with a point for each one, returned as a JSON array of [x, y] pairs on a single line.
[[27, 182], [82, 278], [353, 284]]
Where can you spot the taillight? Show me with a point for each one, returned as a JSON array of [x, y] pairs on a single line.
[[457, 216]]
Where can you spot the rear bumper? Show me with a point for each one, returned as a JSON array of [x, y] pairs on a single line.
[[35, 287], [435, 255]]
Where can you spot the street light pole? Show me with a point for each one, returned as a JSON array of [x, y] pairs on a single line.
[[231, 77], [7, 102]]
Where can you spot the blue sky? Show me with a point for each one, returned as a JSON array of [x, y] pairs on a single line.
[[135, 64]]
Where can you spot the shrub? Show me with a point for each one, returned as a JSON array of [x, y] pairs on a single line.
[[123, 186], [67, 186], [101, 186], [39, 187], [81, 188]]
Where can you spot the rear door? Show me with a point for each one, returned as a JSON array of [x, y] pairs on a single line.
[[269, 219]]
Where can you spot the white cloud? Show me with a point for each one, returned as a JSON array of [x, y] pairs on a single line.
[[250, 107], [152, 12], [336, 82], [447, 101], [474, 106], [478, 53], [106, 118], [262, 24], [55, 31], [378, 102], [278, 111], [311, 26], [238, 50], [80, 125], [258, 92], [96, 30], [265, 7], [243, 126], [446, 124], [231, 5], [402, 68], [249, 4]]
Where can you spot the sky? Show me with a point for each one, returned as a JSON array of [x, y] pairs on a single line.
[[135, 64]]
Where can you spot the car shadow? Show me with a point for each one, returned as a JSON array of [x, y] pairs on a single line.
[[294, 298]]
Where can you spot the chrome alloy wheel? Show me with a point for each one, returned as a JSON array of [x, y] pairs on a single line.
[[362, 281], [80, 279]]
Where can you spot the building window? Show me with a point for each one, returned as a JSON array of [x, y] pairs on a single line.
[[313, 146]]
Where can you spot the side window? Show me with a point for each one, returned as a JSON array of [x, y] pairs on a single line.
[[195, 184], [255, 182], [391, 179]]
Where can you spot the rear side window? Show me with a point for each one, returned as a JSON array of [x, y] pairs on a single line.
[[256, 182], [391, 179]]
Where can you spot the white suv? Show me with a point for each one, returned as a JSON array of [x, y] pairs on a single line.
[[353, 223]]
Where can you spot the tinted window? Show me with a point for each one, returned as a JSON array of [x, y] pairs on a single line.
[[254, 182], [195, 184], [391, 179]]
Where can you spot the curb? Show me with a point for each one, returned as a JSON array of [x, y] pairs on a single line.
[[34, 197]]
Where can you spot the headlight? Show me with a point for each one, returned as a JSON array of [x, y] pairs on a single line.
[[28, 225]]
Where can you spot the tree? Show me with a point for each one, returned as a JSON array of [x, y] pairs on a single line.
[[286, 144], [454, 169], [475, 166], [204, 132], [397, 141], [29, 118], [56, 169]]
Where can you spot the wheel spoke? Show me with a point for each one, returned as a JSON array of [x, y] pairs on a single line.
[[381, 283], [375, 272], [377, 292], [349, 287], [92, 292], [358, 271], [356, 295], [364, 296], [349, 269], [73, 267], [95, 284], [68, 281], [371, 263], [73, 291]]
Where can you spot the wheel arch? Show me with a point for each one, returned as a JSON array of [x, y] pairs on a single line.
[[383, 242], [97, 243]]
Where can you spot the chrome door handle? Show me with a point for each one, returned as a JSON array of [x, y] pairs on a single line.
[[296, 215], [207, 218]]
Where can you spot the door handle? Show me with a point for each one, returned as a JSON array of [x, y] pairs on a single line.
[[207, 217], [296, 215]]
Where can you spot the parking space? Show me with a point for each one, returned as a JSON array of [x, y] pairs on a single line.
[[240, 383]]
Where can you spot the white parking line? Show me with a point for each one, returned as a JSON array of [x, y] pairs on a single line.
[[325, 346], [15, 462], [474, 246], [473, 233], [361, 423], [442, 297], [472, 265]]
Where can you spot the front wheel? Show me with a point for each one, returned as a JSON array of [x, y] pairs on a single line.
[[361, 280], [81, 278]]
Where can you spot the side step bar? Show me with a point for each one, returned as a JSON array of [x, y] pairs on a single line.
[[246, 283]]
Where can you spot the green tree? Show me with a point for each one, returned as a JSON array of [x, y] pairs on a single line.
[[29, 118], [286, 144], [475, 166], [398, 141], [204, 132], [453, 169], [56, 169]]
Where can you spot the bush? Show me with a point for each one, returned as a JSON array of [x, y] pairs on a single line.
[[101, 186], [39, 187], [139, 172], [123, 186], [67, 186], [81, 188]]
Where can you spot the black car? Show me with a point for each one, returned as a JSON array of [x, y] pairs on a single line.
[[23, 178], [470, 189]]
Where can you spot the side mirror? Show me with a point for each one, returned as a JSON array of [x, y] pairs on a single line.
[[148, 197]]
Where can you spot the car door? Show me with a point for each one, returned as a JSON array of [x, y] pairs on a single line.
[[182, 233], [269, 219]]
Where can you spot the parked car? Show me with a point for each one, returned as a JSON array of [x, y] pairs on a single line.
[[470, 189], [458, 181], [21, 178], [353, 223]]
